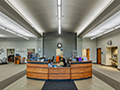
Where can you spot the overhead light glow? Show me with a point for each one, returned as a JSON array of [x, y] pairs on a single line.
[[2, 35], [25, 14], [93, 13], [59, 11], [59, 2], [6, 22], [107, 26], [12, 32], [59, 29], [2, 27], [112, 29]]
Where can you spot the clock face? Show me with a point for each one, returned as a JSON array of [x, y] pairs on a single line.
[[59, 45], [39, 50]]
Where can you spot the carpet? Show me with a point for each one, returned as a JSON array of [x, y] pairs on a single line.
[[59, 85]]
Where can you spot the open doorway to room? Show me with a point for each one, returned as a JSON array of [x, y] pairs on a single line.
[[86, 53], [99, 55], [10, 55], [112, 56], [30, 51]]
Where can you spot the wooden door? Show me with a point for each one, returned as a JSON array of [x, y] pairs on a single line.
[[88, 54], [99, 56]]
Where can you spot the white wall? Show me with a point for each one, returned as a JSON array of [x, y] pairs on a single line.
[[86, 43], [19, 44], [102, 42], [108, 56]]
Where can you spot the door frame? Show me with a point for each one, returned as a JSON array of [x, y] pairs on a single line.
[[97, 54], [7, 52]]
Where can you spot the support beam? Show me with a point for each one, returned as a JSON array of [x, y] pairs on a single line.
[[6, 9], [113, 8]]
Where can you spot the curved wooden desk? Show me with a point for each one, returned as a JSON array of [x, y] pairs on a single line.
[[77, 70]]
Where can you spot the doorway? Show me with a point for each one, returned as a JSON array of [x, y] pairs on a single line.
[[30, 51], [10, 54], [99, 55], [88, 53], [112, 56]]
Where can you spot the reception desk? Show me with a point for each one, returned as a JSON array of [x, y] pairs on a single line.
[[77, 70]]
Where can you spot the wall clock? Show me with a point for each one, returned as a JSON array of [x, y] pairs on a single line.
[[59, 45]]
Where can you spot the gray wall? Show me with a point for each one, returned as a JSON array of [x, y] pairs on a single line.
[[102, 43], [86, 43], [79, 47], [52, 39], [20, 44]]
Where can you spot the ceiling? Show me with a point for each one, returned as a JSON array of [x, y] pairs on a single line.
[[4, 34], [14, 27], [41, 15]]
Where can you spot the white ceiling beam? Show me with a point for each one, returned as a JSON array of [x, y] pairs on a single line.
[[108, 12], [7, 10]]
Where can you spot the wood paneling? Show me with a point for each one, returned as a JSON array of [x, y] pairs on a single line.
[[59, 70], [76, 71], [81, 70], [37, 65], [81, 75], [59, 73], [81, 65], [59, 76], [37, 75], [37, 70]]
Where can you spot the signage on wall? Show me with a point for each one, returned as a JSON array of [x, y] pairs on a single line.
[[20, 50], [109, 42], [1, 50]]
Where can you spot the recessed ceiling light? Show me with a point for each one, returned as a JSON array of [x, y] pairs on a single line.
[[59, 7], [59, 22]]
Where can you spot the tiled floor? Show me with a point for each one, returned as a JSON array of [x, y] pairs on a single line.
[[10, 69], [111, 72], [88, 84]]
